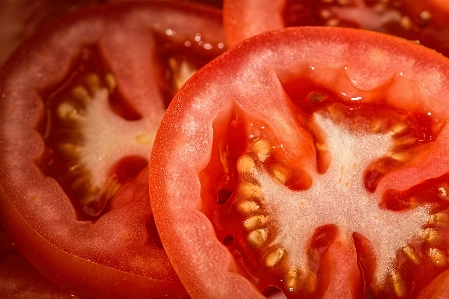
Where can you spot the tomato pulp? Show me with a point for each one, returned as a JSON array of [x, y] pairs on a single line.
[[80, 103], [423, 21], [311, 160]]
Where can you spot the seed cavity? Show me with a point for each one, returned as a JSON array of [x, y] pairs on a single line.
[[274, 257], [437, 257], [257, 238]]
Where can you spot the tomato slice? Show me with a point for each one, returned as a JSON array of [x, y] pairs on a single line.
[[422, 20], [81, 102], [312, 160]]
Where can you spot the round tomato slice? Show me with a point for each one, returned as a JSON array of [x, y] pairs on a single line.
[[80, 104], [311, 160], [422, 20]]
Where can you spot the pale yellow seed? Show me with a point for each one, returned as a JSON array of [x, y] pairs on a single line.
[[325, 14], [248, 206], [262, 149], [245, 164], [411, 254], [93, 81], [257, 238], [67, 111], [407, 141], [274, 257], [249, 190], [80, 93], [291, 280], [110, 81], [254, 222], [144, 139], [398, 156], [442, 191], [280, 173], [397, 128], [406, 23], [183, 73], [69, 149], [437, 257], [398, 285], [431, 235], [441, 218], [333, 22]]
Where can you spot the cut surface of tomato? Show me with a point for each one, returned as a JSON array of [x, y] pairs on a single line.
[[310, 160], [81, 101], [424, 21]]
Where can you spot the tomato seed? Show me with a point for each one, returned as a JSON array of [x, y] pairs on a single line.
[[438, 257], [431, 235], [245, 164], [262, 149], [274, 257], [247, 207], [398, 285], [257, 238], [411, 254], [254, 222]]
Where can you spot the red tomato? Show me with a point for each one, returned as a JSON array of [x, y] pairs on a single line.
[[81, 102], [421, 20], [311, 160]]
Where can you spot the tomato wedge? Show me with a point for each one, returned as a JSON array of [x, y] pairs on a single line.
[[312, 160], [419, 20], [80, 104]]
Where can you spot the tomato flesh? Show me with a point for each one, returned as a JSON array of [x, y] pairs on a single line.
[[81, 102], [423, 21], [392, 17], [321, 142]]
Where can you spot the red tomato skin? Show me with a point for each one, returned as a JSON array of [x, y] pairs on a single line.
[[136, 269], [184, 140], [100, 281]]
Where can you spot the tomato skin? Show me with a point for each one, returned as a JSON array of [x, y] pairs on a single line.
[[102, 281], [248, 77], [115, 256]]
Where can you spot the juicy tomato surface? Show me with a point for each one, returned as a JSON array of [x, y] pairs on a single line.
[[310, 160], [419, 20], [80, 104]]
